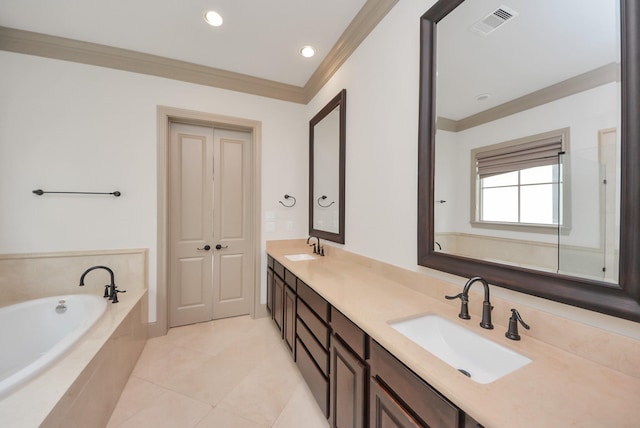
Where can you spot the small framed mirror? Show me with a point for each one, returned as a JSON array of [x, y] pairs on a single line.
[[326, 170]]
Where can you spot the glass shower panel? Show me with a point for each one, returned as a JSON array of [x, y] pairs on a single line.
[[581, 234]]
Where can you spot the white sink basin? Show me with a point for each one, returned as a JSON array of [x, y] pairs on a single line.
[[300, 257], [473, 355]]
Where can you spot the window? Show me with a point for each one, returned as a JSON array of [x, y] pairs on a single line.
[[520, 182], [529, 196]]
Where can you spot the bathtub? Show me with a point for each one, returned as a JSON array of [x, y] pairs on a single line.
[[34, 334]]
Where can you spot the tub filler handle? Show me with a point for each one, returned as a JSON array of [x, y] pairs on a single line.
[[114, 294]]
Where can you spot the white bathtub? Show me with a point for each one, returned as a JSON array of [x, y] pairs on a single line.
[[33, 334]]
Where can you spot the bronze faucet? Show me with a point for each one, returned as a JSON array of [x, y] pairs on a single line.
[[486, 305]]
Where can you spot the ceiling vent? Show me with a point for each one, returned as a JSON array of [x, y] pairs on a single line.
[[494, 20]]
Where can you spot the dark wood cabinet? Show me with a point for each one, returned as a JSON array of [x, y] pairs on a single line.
[[349, 373], [386, 411], [348, 387], [317, 382], [355, 381], [278, 302], [270, 291], [312, 343], [290, 318], [425, 404]]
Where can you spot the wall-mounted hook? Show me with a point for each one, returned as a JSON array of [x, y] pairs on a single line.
[[322, 198], [441, 201], [288, 197]]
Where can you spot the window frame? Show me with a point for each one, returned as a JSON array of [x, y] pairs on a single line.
[[475, 205]]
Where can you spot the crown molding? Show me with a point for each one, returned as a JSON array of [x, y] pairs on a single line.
[[580, 83], [31, 43], [363, 23], [45, 45]]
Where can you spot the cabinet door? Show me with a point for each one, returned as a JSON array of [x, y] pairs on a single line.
[[386, 411], [348, 378], [278, 301], [270, 291], [427, 404], [290, 318]]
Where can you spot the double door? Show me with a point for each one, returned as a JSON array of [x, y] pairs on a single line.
[[211, 257]]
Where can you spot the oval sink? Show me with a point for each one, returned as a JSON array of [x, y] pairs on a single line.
[[473, 355], [300, 257]]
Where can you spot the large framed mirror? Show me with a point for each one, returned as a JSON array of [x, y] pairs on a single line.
[[500, 81], [327, 169]]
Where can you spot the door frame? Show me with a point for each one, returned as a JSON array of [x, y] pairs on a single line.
[[166, 115]]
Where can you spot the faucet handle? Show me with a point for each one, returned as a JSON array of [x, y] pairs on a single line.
[[464, 305], [457, 296], [114, 296], [512, 333]]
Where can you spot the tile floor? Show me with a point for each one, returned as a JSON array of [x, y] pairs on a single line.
[[234, 372]]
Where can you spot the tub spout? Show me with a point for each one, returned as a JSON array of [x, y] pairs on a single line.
[[111, 290]]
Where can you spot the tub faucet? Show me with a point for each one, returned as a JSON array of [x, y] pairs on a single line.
[[486, 305], [110, 290]]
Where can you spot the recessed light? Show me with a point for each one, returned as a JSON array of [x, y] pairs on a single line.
[[483, 97], [213, 18], [307, 51]]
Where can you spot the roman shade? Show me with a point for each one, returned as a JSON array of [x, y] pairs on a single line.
[[519, 156]]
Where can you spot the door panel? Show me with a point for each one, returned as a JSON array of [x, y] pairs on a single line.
[[191, 177], [386, 411], [193, 165], [232, 188], [231, 227], [191, 272], [231, 277]]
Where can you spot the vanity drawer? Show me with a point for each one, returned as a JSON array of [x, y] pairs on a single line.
[[290, 279], [318, 384], [317, 352], [314, 301], [278, 269], [424, 401], [269, 261], [350, 333], [315, 325]]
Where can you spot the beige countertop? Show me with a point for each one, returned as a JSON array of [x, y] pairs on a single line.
[[557, 389]]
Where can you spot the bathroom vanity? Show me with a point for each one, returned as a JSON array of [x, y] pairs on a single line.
[[341, 363], [362, 372]]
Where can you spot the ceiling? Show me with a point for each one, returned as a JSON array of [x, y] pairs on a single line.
[[258, 38], [547, 42], [256, 50]]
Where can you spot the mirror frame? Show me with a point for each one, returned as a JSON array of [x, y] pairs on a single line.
[[339, 100], [621, 300]]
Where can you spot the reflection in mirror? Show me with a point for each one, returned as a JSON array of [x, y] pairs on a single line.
[[504, 177], [326, 170], [525, 140], [326, 157]]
